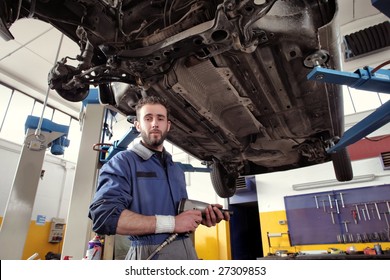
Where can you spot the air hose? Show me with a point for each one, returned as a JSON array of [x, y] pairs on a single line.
[[162, 245]]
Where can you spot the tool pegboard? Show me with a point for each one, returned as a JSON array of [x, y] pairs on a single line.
[[340, 216]]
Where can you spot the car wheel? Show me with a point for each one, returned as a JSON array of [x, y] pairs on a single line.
[[60, 76], [76, 95], [224, 183], [342, 165]]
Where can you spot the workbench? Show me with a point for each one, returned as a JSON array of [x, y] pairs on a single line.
[[358, 256]]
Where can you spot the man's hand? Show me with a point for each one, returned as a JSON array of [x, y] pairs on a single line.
[[188, 221], [213, 215]]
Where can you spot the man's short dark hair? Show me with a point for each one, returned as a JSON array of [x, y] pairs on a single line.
[[151, 100]]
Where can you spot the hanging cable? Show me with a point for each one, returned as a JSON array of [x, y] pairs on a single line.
[[380, 66]]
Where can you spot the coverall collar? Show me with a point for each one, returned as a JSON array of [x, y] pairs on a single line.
[[144, 152]]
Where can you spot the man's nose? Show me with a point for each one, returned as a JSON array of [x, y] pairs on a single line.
[[154, 122]]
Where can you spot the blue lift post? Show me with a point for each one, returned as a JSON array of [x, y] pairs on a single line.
[[382, 5], [107, 151], [370, 79]]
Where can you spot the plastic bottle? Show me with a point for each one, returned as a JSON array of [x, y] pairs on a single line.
[[94, 251], [378, 249]]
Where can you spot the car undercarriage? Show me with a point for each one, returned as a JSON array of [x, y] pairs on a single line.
[[234, 73]]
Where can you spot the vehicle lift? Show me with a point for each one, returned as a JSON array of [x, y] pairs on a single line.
[[367, 78], [40, 135], [78, 230]]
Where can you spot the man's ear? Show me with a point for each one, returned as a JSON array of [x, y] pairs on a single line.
[[137, 126], [169, 125]]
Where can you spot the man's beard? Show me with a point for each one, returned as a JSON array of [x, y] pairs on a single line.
[[153, 142]]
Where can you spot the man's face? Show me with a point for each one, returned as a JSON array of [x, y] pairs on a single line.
[[153, 125]]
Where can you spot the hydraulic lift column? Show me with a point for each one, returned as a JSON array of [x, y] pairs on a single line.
[[78, 225], [17, 216]]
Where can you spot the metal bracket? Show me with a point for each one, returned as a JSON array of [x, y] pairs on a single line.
[[56, 138], [364, 79]]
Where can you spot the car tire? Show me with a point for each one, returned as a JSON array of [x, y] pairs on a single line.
[[342, 165], [76, 95], [223, 183]]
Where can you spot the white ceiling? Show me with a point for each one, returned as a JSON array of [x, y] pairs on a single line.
[[26, 61]]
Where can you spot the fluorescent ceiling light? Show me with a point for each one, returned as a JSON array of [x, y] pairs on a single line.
[[333, 182]]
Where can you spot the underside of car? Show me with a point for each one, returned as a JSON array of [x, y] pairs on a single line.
[[234, 73]]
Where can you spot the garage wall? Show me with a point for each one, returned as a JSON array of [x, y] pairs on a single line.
[[54, 188], [272, 188], [51, 201], [271, 191]]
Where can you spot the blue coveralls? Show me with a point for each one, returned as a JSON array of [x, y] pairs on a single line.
[[135, 179]]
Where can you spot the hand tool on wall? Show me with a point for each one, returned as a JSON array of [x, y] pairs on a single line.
[[367, 212], [387, 230], [383, 236], [364, 214], [372, 213], [342, 200], [365, 237], [323, 205], [332, 216], [316, 201], [345, 225], [358, 238], [330, 201], [386, 219], [377, 210], [337, 206], [375, 236], [357, 212], [354, 216], [388, 206]]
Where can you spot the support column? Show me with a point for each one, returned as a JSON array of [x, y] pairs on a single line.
[[17, 216], [78, 225]]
